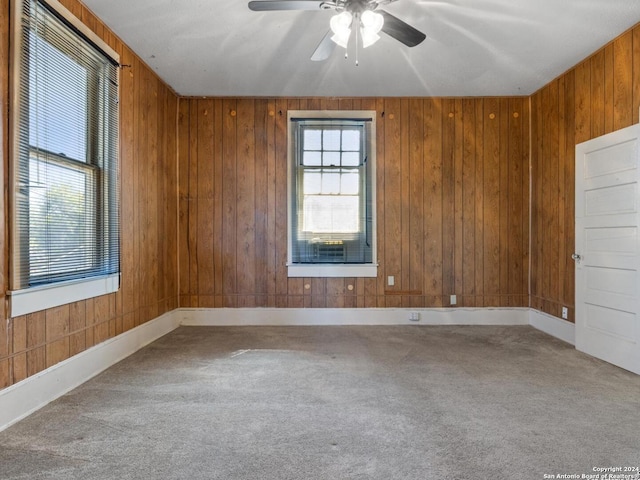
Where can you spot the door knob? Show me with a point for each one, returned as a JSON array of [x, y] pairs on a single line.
[[576, 257]]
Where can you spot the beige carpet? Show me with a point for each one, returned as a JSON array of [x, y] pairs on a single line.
[[404, 402]]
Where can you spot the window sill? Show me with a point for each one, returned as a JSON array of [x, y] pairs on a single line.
[[48, 296], [332, 270]]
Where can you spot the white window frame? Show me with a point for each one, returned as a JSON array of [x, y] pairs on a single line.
[[32, 299], [369, 269]]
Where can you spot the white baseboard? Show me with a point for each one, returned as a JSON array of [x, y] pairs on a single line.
[[33, 393], [554, 326], [351, 316]]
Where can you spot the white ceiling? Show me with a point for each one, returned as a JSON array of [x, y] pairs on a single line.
[[473, 47]]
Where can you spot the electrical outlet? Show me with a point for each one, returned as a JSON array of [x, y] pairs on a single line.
[[453, 300], [414, 316], [391, 280], [565, 313]]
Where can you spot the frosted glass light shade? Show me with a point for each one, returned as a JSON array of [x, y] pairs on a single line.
[[341, 27], [371, 23]]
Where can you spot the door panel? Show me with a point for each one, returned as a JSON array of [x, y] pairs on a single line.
[[607, 269]]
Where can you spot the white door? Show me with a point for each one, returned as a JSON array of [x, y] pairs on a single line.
[[607, 249]]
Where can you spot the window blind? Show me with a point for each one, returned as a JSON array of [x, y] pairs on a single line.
[[66, 198]]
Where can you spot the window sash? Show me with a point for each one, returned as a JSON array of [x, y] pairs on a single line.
[[56, 229]]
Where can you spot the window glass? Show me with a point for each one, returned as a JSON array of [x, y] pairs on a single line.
[[331, 214], [61, 205], [57, 110], [331, 140]]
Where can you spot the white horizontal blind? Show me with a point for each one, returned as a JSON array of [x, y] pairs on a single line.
[[66, 203]]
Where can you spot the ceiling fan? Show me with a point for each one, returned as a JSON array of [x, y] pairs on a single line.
[[360, 15]]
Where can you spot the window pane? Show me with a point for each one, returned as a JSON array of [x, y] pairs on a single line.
[[331, 214], [312, 159], [350, 183], [331, 159], [61, 219], [331, 140], [351, 159], [351, 140], [57, 102], [312, 182], [312, 139], [331, 183]]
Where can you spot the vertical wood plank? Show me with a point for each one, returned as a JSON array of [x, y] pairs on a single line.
[[36, 343], [536, 150], [57, 323], [416, 194], [393, 196], [491, 186], [151, 242], [184, 123], [246, 201], [479, 203], [458, 229], [171, 205], [19, 340], [505, 192], [448, 195], [433, 181], [229, 112], [516, 177], [281, 201], [622, 78], [553, 193], [260, 203], [77, 324], [635, 75], [160, 195], [562, 145], [205, 205], [218, 199], [271, 259], [608, 88], [526, 199], [468, 234], [404, 193], [380, 108], [597, 96], [568, 165]]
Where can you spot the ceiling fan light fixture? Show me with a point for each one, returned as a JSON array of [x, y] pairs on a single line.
[[341, 27], [371, 21], [368, 37], [370, 24]]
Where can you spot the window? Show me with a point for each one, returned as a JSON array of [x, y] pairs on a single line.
[[331, 194], [65, 199]]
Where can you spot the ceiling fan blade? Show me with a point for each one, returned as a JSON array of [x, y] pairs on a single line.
[[268, 5], [324, 49], [401, 31]]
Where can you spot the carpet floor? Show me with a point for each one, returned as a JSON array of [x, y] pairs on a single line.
[[279, 403]]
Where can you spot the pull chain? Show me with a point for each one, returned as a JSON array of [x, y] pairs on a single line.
[[357, 29]]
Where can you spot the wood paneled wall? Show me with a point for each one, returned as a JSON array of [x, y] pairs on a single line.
[[453, 201], [149, 287], [452, 209], [598, 96]]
